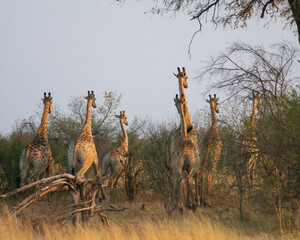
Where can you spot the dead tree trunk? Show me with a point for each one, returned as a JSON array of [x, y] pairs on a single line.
[[84, 194]]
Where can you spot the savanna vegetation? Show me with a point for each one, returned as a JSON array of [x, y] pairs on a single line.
[[266, 208]]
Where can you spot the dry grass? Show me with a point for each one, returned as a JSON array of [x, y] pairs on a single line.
[[135, 223]]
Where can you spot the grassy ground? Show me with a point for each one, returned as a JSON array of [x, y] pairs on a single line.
[[151, 222]]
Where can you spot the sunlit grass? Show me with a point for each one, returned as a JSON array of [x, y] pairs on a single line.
[[136, 223]]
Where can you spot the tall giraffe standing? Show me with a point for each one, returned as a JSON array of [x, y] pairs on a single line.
[[116, 159], [85, 153], [38, 153], [249, 144], [185, 167], [191, 131], [177, 139], [214, 147]]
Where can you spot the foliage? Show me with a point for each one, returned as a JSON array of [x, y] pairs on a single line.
[[233, 13], [10, 151], [279, 138]]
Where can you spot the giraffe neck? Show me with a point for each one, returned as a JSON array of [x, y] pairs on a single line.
[[213, 116], [43, 127], [125, 140], [187, 115], [88, 120], [183, 122], [214, 126], [253, 118]]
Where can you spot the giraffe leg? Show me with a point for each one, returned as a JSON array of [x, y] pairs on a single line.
[[75, 200], [175, 194], [209, 186], [203, 179], [202, 187], [183, 193], [209, 177], [95, 168], [112, 182], [250, 171], [116, 180], [190, 191], [50, 167], [197, 194], [24, 172], [86, 165], [212, 175]]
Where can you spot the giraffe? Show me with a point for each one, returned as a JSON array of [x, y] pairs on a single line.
[[85, 154], [176, 140], [249, 147], [38, 153], [214, 147], [116, 159], [185, 167]]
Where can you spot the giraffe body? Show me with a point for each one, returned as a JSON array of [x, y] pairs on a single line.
[[38, 153], [85, 154]]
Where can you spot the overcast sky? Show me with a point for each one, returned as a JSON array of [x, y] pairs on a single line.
[[70, 46]]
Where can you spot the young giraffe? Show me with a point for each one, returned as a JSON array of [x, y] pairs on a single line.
[[214, 147], [116, 159], [192, 134], [249, 147], [38, 153], [85, 153], [185, 167]]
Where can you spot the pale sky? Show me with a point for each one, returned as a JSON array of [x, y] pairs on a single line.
[[70, 46]]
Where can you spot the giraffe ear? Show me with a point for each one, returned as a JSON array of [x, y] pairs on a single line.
[[117, 116], [175, 74], [207, 101], [217, 99], [85, 97]]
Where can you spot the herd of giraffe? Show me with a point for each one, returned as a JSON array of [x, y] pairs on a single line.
[[192, 178]]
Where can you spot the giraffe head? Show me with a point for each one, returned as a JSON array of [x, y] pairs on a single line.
[[47, 100], [179, 101], [213, 101], [91, 97], [122, 117], [182, 77], [255, 99]]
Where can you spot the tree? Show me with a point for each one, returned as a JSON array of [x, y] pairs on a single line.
[[233, 13], [279, 140], [244, 68]]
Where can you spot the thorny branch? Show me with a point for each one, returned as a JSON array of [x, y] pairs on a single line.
[[75, 186]]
